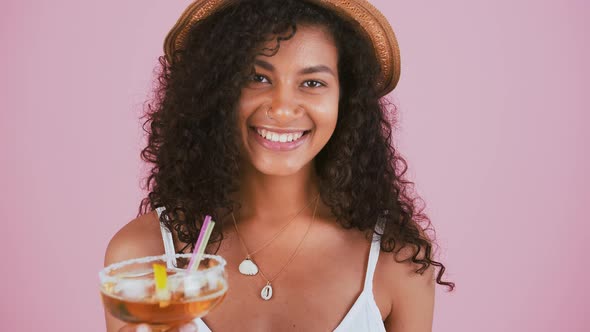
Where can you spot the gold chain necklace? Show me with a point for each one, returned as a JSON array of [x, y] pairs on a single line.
[[248, 267], [267, 290]]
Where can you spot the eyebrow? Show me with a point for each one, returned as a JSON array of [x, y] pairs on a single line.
[[308, 70]]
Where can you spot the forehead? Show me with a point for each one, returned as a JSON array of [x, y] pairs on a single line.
[[310, 45]]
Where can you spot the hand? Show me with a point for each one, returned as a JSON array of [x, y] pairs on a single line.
[[190, 327]]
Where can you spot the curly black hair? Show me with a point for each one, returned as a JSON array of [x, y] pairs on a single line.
[[191, 124]]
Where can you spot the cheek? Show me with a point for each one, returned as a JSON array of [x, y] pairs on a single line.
[[244, 111], [241, 123], [249, 98], [247, 106], [327, 118]]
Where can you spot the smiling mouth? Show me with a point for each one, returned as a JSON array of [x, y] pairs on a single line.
[[280, 137]]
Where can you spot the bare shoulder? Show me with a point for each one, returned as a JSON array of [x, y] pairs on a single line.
[[140, 237], [410, 295]]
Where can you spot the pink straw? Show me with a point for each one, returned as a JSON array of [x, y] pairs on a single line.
[[199, 240]]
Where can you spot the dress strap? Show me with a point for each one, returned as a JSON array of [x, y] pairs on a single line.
[[168, 241], [373, 256]]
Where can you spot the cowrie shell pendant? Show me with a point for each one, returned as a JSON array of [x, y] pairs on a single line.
[[248, 268], [266, 292]]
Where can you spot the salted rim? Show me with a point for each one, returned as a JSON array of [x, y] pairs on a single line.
[[104, 277]]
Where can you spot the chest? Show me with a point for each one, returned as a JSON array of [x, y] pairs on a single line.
[[314, 292]]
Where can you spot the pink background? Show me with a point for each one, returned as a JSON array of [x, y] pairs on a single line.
[[492, 122]]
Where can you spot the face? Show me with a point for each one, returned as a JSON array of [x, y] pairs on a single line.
[[288, 109]]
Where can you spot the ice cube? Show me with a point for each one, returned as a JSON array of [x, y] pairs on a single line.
[[133, 289], [193, 285]]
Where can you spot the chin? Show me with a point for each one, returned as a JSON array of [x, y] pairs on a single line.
[[278, 169]]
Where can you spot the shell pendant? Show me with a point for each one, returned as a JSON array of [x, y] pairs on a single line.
[[266, 292], [248, 268]]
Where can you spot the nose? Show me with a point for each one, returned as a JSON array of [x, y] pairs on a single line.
[[285, 105]]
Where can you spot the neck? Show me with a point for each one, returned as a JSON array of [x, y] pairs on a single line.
[[268, 198]]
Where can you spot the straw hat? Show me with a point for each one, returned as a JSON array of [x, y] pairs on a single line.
[[374, 24]]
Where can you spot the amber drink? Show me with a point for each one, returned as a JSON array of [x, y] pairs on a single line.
[[129, 291]]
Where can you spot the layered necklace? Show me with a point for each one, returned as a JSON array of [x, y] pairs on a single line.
[[248, 266]]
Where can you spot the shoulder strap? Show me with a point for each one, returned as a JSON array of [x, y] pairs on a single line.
[[168, 241], [373, 256]]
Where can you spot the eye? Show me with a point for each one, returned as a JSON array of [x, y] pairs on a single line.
[[257, 78], [313, 84]]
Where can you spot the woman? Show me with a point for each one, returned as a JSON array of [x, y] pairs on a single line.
[[269, 117]]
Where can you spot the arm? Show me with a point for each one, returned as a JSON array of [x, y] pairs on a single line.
[[413, 301]]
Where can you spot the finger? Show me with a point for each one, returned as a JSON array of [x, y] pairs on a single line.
[[136, 328], [190, 327]]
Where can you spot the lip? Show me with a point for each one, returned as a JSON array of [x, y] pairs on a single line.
[[278, 146], [280, 130]]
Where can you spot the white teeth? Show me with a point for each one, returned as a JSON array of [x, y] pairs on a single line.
[[276, 137]]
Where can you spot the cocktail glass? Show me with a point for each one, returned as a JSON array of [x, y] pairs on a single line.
[[129, 292]]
